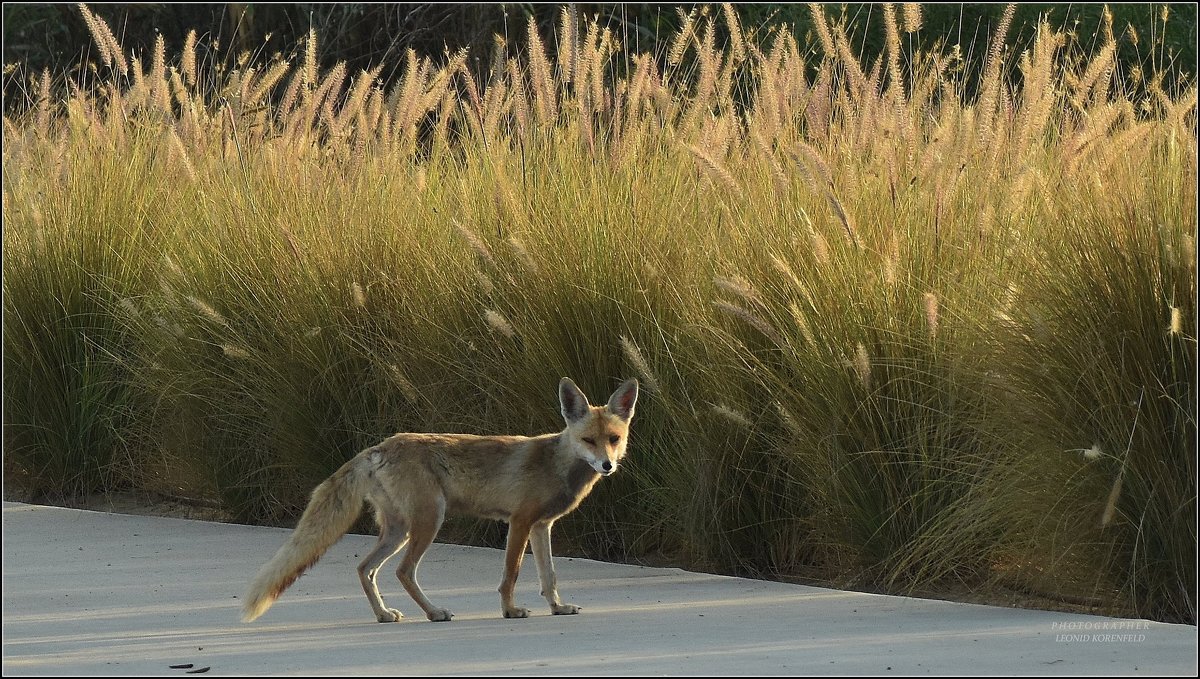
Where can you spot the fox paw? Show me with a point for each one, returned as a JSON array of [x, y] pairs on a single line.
[[389, 615], [516, 612], [439, 615], [565, 609]]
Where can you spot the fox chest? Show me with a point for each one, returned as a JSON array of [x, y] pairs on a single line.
[[575, 486]]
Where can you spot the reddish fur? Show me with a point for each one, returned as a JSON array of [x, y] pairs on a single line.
[[412, 480]]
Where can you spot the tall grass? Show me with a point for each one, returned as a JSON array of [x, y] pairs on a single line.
[[879, 323]]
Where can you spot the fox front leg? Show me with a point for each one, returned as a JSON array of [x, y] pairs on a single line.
[[539, 539], [514, 553]]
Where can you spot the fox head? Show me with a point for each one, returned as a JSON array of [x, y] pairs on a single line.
[[598, 434]]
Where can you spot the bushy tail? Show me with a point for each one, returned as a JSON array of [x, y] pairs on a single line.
[[334, 506]]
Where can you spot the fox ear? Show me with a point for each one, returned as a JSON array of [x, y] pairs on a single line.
[[623, 399], [571, 400]]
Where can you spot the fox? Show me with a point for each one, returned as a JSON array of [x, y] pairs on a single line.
[[413, 480]]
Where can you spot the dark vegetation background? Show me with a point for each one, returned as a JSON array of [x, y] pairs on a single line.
[[873, 519], [38, 36]]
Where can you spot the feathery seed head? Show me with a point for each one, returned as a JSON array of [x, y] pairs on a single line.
[[207, 310], [640, 364], [912, 17], [499, 323], [931, 314], [1110, 507], [406, 386], [862, 365], [234, 351], [732, 415]]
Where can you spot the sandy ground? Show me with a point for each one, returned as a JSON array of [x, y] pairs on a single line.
[[92, 593]]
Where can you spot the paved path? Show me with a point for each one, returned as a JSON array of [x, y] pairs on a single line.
[[90, 593]]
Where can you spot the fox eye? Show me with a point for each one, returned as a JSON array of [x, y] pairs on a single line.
[[613, 439], [590, 441]]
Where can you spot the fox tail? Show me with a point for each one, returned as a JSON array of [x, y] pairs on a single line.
[[334, 506]]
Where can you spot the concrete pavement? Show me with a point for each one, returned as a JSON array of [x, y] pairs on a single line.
[[90, 593]]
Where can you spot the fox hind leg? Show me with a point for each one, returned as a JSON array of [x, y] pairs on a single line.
[[393, 534], [424, 527]]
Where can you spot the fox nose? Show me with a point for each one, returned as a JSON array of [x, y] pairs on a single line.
[[607, 467]]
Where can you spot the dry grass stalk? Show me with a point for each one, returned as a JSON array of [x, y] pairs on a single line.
[[475, 242], [568, 36], [892, 29], [406, 386], [683, 38], [732, 415], [290, 95], [891, 262], [446, 110], [498, 323], [858, 80], [207, 310], [737, 42], [544, 91], [330, 86], [138, 91], [129, 308], [523, 254], [753, 320], [1176, 326], [716, 172], [520, 101], [266, 83], [789, 421], [778, 176], [42, 114], [583, 65], [801, 320], [486, 286], [374, 110], [1093, 85], [358, 96], [182, 154], [710, 63], [159, 88], [597, 61], [640, 364], [862, 365], [1110, 506], [819, 176], [291, 241], [97, 34], [822, 28], [189, 58], [180, 93], [111, 51], [310, 59], [991, 79], [739, 287], [405, 97], [912, 17], [476, 105], [1038, 97], [931, 314], [820, 246], [234, 351]]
